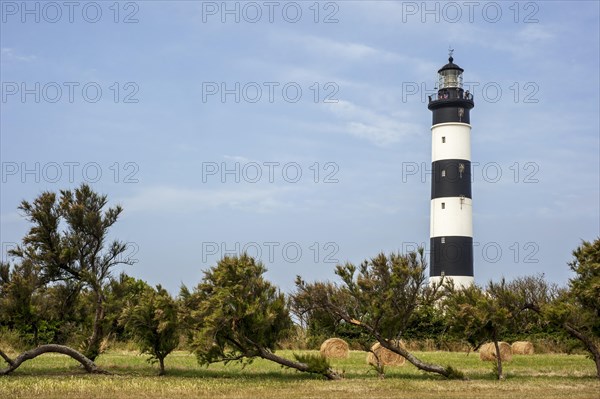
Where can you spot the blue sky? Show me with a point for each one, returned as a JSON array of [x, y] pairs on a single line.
[[300, 130]]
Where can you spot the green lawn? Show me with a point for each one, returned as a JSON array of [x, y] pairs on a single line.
[[538, 376]]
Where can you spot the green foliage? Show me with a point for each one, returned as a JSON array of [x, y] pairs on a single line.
[[385, 291], [476, 315], [151, 319], [585, 286], [67, 243], [580, 306], [454, 374], [517, 296], [316, 363], [121, 292], [378, 368], [577, 310], [381, 298], [319, 323], [427, 322], [40, 312], [567, 309], [20, 305], [234, 313], [479, 315]]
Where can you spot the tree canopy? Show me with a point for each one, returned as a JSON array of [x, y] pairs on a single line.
[[235, 314], [151, 318], [67, 242], [380, 298]]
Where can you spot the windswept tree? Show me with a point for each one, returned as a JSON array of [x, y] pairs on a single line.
[[234, 314], [68, 242], [151, 319], [20, 302], [380, 298], [40, 313], [577, 309], [478, 316], [121, 291]]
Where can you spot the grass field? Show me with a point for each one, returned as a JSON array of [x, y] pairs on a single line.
[[537, 376]]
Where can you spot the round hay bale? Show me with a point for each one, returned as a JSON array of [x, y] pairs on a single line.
[[386, 357], [487, 352], [334, 348], [522, 348]]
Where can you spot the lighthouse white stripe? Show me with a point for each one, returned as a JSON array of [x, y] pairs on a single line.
[[451, 216], [451, 141], [459, 281]]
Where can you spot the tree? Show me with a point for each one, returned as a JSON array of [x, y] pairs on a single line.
[[478, 316], [40, 313], [20, 303], [524, 323], [234, 314], [380, 298], [320, 324], [151, 319], [67, 243], [577, 309], [13, 364], [121, 292]]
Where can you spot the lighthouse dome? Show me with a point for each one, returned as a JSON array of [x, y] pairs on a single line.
[[451, 66]]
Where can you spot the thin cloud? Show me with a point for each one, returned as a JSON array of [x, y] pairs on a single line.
[[340, 49], [352, 51], [527, 42], [178, 199], [364, 123], [9, 54], [236, 158]]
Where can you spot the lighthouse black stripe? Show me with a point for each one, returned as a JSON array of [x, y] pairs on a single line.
[[451, 178], [452, 257], [452, 113]]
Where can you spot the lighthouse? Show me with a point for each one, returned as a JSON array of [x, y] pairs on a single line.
[[451, 222]]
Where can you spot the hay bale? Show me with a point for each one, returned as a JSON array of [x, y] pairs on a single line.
[[487, 352], [334, 348], [386, 357], [522, 348]]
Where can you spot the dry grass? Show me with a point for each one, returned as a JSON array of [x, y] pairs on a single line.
[[538, 376]]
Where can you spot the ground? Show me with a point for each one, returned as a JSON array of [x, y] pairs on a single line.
[[538, 376]]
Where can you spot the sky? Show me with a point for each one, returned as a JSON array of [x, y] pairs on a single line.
[[299, 131]]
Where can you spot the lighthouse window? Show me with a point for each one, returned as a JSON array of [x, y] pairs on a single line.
[[443, 139], [443, 172], [443, 205]]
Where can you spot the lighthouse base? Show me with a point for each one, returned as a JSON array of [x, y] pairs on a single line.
[[459, 281]]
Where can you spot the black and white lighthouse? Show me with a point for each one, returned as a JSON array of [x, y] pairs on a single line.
[[451, 224]]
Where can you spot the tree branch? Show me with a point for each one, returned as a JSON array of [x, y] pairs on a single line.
[[6, 358], [89, 366]]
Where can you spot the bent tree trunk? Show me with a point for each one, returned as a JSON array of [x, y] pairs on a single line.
[[89, 365], [268, 355], [589, 344], [447, 372], [587, 341], [418, 363]]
